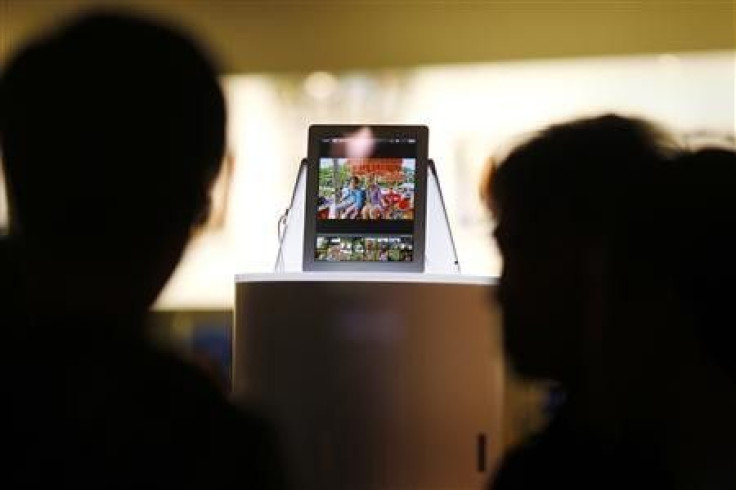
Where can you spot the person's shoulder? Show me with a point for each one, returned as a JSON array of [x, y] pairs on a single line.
[[242, 443], [13, 305], [171, 379], [562, 457], [169, 375], [7, 259], [6, 270]]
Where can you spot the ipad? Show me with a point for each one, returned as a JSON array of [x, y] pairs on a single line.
[[366, 198]]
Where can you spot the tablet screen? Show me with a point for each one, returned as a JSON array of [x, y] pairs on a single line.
[[367, 191]]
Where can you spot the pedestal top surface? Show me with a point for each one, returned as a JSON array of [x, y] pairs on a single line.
[[401, 277]]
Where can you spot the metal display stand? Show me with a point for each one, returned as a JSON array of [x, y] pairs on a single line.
[[440, 256]]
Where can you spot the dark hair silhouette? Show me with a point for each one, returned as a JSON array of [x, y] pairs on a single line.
[[698, 247], [577, 171], [112, 131], [557, 200]]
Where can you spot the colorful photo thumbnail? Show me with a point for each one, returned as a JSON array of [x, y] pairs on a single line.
[[364, 249]]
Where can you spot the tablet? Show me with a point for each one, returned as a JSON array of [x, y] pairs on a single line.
[[366, 198]]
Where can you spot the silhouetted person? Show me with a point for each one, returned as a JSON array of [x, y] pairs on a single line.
[[596, 220], [112, 131]]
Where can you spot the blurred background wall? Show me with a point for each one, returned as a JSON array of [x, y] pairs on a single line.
[[303, 35], [481, 74]]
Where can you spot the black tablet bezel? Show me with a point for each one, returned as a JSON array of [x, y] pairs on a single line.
[[319, 132]]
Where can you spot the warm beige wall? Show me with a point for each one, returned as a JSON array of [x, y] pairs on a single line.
[[306, 35]]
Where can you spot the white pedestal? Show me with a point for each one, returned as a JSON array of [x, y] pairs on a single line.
[[375, 381]]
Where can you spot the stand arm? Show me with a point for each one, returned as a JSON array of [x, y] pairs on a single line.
[[433, 171], [283, 219]]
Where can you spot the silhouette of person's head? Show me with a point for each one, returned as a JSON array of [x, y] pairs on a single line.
[[112, 131], [557, 201], [697, 248], [618, 266]]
